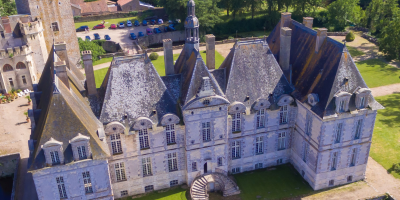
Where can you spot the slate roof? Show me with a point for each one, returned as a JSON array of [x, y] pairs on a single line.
[[318, 72], [133, 88]]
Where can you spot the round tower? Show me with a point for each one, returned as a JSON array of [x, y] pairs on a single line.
[[191, 29]]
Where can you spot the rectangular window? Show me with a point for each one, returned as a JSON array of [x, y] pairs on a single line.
[[261, 118], [206, 131], [11, 82], [341, 106], [338, 133], [308, 125], [116, 143], [236, 122], [124, 193], [235, 149], [282, 141], [120, 171], [54, 26], [170, 130], [353, 157], [172, 162], [173, 183], [235, 170], [220, 161], [305, 152], [23, 80], [349, 178], [259, 166], [61, 187], [82, 152], [362, 102], [55, 159], [144, 139], [331, 182], [279, 161], [146, 164], [283, 115], [149, 188], [194, 166], [358, 129], [87, 182], [334, 161], [259, 145]]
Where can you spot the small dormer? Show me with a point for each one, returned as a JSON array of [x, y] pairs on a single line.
[[313, 99], [206, 88], [261, 103], [53, 152], [80, 147], [285, 100], [362, 97], [342, 100]]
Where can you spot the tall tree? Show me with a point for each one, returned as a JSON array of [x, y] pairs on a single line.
[[379, 13], [389, 42], [7, 8], [253, 5], [305, 6], [227, 5], [341, 12]]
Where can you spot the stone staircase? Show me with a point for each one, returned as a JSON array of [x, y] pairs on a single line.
[[199, 188], [198, 191]]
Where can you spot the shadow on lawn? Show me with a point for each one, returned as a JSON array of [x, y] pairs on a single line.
[[391, 111]]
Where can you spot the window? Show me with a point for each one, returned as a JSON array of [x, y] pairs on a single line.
[[11, 82], [341, 106], [334, 161], [235, 149], [279, 161], [308, 125], [82, 152], [235, 170], [116, 143], [194, 166], [362, 102], [283, 115], [236, 122], [173, 183], [331, 182], [261, 118], [23, 80], [259, 145], [120, 171], [353, 157], [86, 182], [61, 187], [338, 133], [124, 193], [21, 65], [170, 130], [282, 141], [172, 162], [7, 68], [349, 178], [219, 161], [55, 159], [146, 164], [358, 129], [206, 132], [54, 26], [206, 102], [259, 166], [149, 188], [305, 152], [144, 139]]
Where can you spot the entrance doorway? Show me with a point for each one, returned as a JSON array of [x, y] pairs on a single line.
[[205, 167]]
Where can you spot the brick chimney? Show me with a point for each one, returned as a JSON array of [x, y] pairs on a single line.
[[168, 57], [284, 53], [322, 33], [308, 21], [90, 80], [61, 72], [286, 17], [210, 51], [61, 51]]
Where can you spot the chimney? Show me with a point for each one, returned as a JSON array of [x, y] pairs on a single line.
[[284, 53], [61, 51], [168, 57], [308, 22], [90, 81], [286, 17], [61, 72], [6, 24], [210, 51], [322, 33]]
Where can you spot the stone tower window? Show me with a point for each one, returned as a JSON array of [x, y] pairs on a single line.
[[353, 157], [338, 132], [206, 131], [334, 161], [358, 129], [170, 131], [283, 115], [54, 26], [11, 82], [23, 80], [236, 122], [172, 162], [120, 171], [261, 118], [236, 149], [282, 141], [87, 182], [7, 68], [146, 165], [144, 139], [116, 143], [21, 65], [61, 187]]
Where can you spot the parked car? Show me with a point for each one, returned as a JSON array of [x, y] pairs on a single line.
[[113, 26], [153, 21], [137, 23], [133, 36], [99, 26], [171, 28], [121, 25], [82, 28], [96, 36], [149, 31], [166, 29], [87, 38], [128, 23], [157, 30], [140, 34], [144, 23], [160, 21], [107, 37]]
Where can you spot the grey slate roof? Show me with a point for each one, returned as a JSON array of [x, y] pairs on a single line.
[[173, 84]]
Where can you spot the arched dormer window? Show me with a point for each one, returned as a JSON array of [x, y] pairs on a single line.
[[261, 105], [236, 109], [80, 147], [7, 68], [141, 125], [21, 65], [113, 132], [53, 152], [284, 102], [342, 101], [313, 99], [362, 97], [168, 121]]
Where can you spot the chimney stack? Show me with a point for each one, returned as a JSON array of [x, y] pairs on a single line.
[[322, 33], [284, 53], [90, 81], [286, 17], [308, 22], [210, 51], [61, 72], [168, 57], [61, 51]]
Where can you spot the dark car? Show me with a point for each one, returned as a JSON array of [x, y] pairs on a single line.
[[171, 28], [99, 26], [133, 36], [153, 21], [140, 34], [166, 29], [157, 30], [137, 23], [82, 28], [107, 37], [144, 23], [96, 36], [87, 38]]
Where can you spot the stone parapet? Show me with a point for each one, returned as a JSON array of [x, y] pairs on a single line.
[[15, 51], [31, 27]]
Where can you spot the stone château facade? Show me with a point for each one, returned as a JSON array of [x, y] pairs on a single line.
[[294, 97]]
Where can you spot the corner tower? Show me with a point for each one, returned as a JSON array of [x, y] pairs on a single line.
[[191, 29]]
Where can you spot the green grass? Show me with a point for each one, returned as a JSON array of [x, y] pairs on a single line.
[[354, 52], [378, 73], [99, 76], [101, 61], [173, 194], [283, 182], [110, 21], [385, 147]]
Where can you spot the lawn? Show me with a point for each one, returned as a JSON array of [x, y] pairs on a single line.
[[99, 76], [378, 73], [101, 61], [173, 194], [354, 52], [108, 22], [386, 138]]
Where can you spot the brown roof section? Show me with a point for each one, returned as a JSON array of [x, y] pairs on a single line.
[[123, 2], [99, 6]]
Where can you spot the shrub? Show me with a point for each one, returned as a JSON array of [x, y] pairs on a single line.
[[396, 167], [133, 13], [231, 37], [153, 56], [350, 37], [94, 46]]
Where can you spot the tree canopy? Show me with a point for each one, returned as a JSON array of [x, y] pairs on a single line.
[[341, 12], [379, 13], [7, 8], [389, 41]]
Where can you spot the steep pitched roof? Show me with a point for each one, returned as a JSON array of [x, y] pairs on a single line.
[[98, 6]]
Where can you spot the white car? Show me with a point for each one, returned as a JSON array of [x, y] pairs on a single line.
[[121, 25], [128, 23], [160, 21]]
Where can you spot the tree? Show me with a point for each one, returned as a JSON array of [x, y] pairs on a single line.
[[389, 42], [341, 12], [7, 8], [305, 6], [379, 13], [96, 49], [253, 5]]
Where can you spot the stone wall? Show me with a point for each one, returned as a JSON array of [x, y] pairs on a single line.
[[175, 36], [337, 33], [9, 165], [370, 39], [385, 196], [159, 12]]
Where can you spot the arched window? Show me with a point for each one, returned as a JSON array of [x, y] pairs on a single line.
[[21, 65], [7, 68]]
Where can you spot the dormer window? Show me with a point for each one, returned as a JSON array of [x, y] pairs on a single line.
[[81, 152], [362, 98], [55, 159], [80, 147], [144, 139], [236, 122], [341, 106], [284, 102], [53, 152], [206, 88], [342, 101]]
